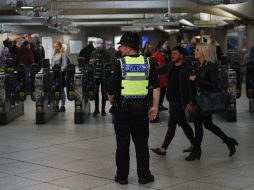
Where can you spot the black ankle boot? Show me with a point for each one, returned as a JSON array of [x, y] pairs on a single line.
[[195, 154], [103, 113], [231, 143], [188, 149]]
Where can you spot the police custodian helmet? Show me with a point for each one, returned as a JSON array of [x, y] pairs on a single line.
[[130, 39]]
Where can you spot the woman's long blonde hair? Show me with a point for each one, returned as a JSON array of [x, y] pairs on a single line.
[[61, 48], [208, 51]]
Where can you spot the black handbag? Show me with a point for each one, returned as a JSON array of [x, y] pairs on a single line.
[[214, 102]]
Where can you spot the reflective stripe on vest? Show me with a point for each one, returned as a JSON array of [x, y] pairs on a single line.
[[135, 73]]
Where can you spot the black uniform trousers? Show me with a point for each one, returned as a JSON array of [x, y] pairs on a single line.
[[177, 116], [136, 125], [98, 83]]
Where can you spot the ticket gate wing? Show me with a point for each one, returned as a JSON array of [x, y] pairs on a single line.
[[90, 81], [70, 72], [21, 82], [250, 80], [35, 68], [237, 68], [106, 77], [57, 82]]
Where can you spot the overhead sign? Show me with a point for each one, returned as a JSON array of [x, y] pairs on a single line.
[[47, 43]]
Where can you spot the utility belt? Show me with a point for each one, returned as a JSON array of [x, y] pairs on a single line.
[[130, 106]]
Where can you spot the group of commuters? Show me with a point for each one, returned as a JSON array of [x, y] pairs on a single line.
[[183, 86], [156, 73], [136, 90], [31, 52], [28, 53], [99, 54]]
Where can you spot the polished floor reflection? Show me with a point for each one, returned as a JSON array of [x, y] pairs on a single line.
[[64, 156]]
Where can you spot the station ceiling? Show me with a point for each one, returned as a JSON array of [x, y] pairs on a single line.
[[116, 12]]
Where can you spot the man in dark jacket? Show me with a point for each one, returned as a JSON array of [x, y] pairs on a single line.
[[38, 52], [25, 56], [87, 51], [100, 57], [179, 92]]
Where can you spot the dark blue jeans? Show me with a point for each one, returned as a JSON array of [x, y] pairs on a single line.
[[28, 83]]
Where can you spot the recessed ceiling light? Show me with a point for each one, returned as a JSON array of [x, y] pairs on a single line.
[[26, 7]]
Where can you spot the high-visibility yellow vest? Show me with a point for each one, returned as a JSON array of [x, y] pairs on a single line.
[[135, 74]]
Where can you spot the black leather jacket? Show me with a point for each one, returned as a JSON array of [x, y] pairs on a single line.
[[187, 88], [207, 78]]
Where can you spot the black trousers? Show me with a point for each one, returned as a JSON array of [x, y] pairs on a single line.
[[162, 96], [128, 125], [98, 83], [177, 116], [206, 120]]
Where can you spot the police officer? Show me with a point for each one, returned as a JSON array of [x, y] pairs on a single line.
[[132, 76]]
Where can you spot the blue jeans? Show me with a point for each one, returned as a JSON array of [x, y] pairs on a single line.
[[63, 97], [28, 83]]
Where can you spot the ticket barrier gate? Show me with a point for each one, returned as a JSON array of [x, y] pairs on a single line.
[[250, 85], [12, 93], [80, 88], [229, 77], [47, 92], [237, 68]]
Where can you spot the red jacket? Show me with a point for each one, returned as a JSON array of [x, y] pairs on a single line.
[[163, 77], [25, 56]]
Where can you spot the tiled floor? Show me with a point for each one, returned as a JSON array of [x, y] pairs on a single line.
[[64, 156]]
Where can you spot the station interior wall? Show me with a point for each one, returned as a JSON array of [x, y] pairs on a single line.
[[108, 33]]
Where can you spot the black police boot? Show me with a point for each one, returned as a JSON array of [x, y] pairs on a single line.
[[57, 108], [95, 113], [103, 113], [62, 109], [121, 181], [146, 180]]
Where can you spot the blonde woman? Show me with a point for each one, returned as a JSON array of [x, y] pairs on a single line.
[[206, 80], [61, 59]]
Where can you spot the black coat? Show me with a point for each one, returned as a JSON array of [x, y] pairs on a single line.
[[187, 90], [207, 78]]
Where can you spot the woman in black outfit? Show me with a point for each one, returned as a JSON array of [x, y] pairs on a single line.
[[206, 80]]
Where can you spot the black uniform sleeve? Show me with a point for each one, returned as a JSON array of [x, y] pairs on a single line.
[[154, 79], [114, 85]]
